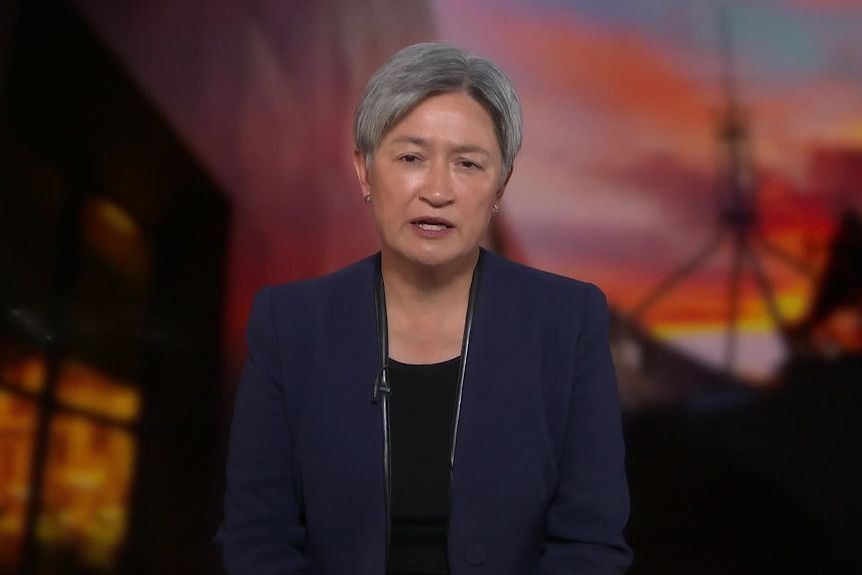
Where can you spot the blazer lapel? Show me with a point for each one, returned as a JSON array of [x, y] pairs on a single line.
[[343, 455], [502, 452]]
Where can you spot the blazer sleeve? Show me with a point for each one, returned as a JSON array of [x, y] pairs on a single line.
[[262, 532], [590, 507]]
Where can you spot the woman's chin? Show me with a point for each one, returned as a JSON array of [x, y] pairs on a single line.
[[436, 256]]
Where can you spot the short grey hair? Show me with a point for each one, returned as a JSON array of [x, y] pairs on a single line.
[[420, 71]]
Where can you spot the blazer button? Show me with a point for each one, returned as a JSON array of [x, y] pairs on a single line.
[[476, 554]]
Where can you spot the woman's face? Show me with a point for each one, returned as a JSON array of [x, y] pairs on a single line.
[[434, 180]]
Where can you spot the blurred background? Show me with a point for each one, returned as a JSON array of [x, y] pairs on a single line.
[[700, 160]]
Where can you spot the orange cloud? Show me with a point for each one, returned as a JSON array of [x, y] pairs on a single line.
[[652, 119], [611, 69]]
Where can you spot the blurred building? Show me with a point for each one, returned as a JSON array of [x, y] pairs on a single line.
[[727, 478], [112, 255]]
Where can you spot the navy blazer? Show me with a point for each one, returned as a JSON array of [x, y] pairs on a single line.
[[538, 484]]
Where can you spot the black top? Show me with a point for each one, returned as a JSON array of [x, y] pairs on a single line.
[[421, 414]]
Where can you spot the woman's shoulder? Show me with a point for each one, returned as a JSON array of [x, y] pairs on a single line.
[[514, 276], [562, 306], [321, 301], [343, 281]]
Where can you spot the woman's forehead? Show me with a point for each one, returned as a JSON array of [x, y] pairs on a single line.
[[455, 118]]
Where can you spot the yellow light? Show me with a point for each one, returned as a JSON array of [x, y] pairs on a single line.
[[29, 373], [87, 388], [89, 466], [116, 217], [113, 233]]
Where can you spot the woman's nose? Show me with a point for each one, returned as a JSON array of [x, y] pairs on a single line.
[[437, 190]]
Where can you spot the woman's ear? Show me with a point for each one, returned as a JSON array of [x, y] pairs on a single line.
[[502, 189], [361, 172]]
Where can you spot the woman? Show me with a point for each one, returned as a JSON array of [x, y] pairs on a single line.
[[433, 408]]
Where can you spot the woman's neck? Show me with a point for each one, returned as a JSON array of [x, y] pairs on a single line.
[[415, 286], [426, 308]]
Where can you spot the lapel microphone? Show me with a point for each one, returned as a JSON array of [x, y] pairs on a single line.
[[381, 384]]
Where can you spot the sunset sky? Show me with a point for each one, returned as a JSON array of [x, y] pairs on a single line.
[[619, 179]]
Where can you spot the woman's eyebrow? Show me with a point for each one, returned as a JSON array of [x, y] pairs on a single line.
[[424, 143]]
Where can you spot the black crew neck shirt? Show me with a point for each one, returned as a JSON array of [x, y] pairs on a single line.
[[421, 416]]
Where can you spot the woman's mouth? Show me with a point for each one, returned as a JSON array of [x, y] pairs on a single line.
[[431, 223], [431, 227]]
